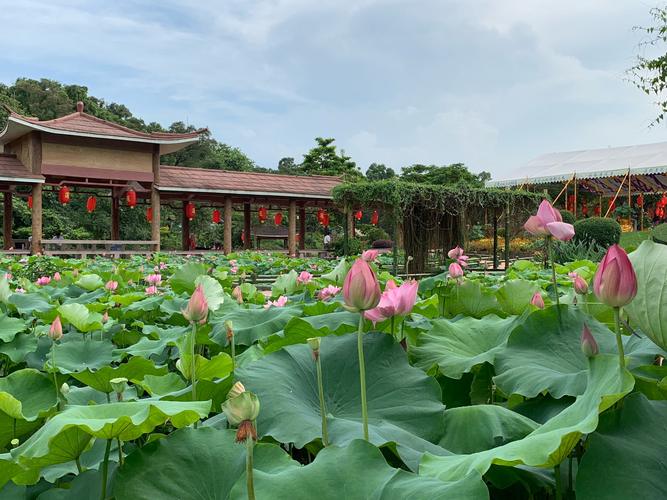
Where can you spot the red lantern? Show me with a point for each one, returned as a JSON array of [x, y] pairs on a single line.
[[30, 202], [584, 209], [597, 210], [663, 201], [91, 203], [320, 214], [149, 214], [278, 219], [375, 218], [64, 195], [325, 219], [190, 210], [640, 201], [216, 216], [262, 213], [131, 198], [358, 214]]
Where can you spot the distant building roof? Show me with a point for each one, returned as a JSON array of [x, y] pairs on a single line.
[[200, 180], [646, 160], [12, 170], [84, 125]]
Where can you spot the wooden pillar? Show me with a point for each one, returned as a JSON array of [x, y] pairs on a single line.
[[302, 228], [507, 235], [575, 197], [36, 246], [7, 221], [155, 199], [495, 239], [291, 233], [115, 216], [350, 224], [227, 229], [185, 232], [247, 229]]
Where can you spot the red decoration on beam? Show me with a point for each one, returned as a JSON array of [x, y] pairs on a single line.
[[131, 198], [325, 219], [91, 203], [358, 214], [216, 216], [375, 218], [278, 219], [190, 210], [149, 214], [64, 195], [262, 213], [30, 202]]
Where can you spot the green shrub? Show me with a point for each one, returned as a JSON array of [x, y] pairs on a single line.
[[353, 247], [572, 251], [567, 216], [659, 234], [603, 231]]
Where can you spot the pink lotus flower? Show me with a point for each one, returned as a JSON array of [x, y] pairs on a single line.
[[537, 300], [370, 255], [56, 276], [154, 279], [304, 278], [163, 265], [361, 290], [19, 290], [615, 282], [279, 302], [548, 221], [43, 280], [151, 290], [111, 285], [328, 292], [8, 276], [197, 308], [234, 270], [395, 301], [457, 253], [56, 329], [588, 344], [455, 270], [232, 263]]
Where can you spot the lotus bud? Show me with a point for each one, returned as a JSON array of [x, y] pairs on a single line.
[[314, 344], [229, 326], [537, 300], [105, 317], [370, 255], [361, 290], [56, 276], [119, 385], [243, 407], [580, 285], [588, 344], [56, 329], [237, 389], [237, 294], [197, 309], [615, 282], [64, 389], [455, 270]]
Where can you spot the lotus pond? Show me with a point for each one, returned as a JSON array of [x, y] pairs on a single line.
[[120, 379]]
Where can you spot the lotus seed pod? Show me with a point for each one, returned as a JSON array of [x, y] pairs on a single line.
[[245, 406], [14, 442], [314, 343], [64, 389], [119, 385]]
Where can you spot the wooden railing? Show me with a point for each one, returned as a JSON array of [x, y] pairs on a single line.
[[111, 248]]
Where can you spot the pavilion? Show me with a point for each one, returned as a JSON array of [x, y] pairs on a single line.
[[82, 150]]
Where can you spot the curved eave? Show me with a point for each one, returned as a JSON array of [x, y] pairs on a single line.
[[17, 128]]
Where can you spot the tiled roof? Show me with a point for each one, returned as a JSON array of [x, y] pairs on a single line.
[[12, 168], [188, 179]]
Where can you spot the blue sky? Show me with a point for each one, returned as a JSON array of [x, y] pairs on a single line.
[[489, 83]]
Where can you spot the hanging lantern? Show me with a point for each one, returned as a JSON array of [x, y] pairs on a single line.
[[131, 198], [30, 202], [375, 218], [278, 219], [216, 216], [325, 219], [190, 210], [584, 209], [91, 203], [149, 214], [64, 195], [640, 200], [663, 201], [320, 215], [262, 213], [597, 210], [358, 214]]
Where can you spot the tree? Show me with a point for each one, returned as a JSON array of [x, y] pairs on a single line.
[[378, 172], [287, 166], [650, 75], [324, 160], [456, 173]]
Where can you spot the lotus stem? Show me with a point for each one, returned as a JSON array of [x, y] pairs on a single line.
[[553, 269], [120, 452], [619, 339], [193, 364], [559, 490], [323, 408], [250, 484], [392, 326], [362, 374], [233, 344], [105, 470], [77, 461], [55, 371]]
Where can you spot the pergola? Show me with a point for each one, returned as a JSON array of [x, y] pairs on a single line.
[[82, 150]]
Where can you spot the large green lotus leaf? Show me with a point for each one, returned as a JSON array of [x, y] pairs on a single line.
[[550, 443], [65, 436], [219, 366], [5, 292], [9, 327], [455, 347], [20, 347], [11, 428], [27, 394], [357, 471], [207, 390], [213, 291], [150, 346], [80, 317], [251, 325], [543, 353], [471, 299], [134, 370], [298, 329], [85, 486], [166, 384], [625, 457], [88, 396], [90, 282], [469, 429], [183, 280], [285, 284], [150, 303], [649, 307], [338, 273], [514, 296], [85, 298], [128, 298], [29, 303], [651, 380], [77, 354], [194, 463], [403, 403], [8, 469]]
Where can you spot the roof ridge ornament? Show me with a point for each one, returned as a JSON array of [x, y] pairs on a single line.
[[79, 107]]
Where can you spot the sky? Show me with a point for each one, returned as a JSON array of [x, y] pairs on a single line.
[[489, 83]]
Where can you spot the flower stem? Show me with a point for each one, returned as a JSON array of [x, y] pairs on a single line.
[[392, 326], [559, 488], [77, 461], [55, 371], [193, 364], [233, 342], [553, 269], [120, 452], [323, 408], [619, 339], [362, 374], [250, 443], [105, 470]]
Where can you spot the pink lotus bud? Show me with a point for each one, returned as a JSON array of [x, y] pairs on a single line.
[[304, 278], [370, 255], [8, 276], [105, 317], [588, 344], [111, 285], [56, 329], [328, 292], [537, 300], [361, 290], [56, 276], [43, 280], [580, 285], [455, 252], [75, 272], [615, 282], [455, 270], [237, 294], [197, 309]]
